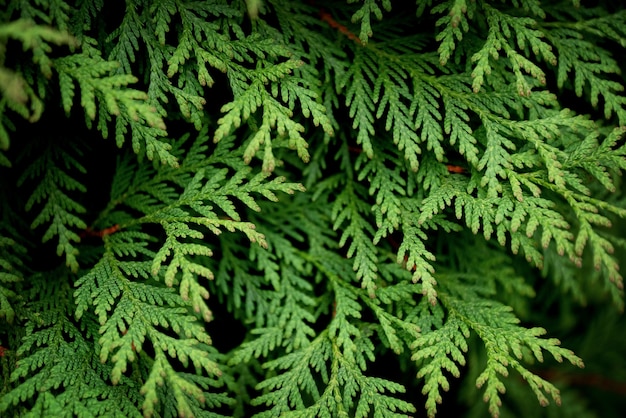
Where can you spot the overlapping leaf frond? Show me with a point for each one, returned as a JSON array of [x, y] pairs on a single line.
[[447, 183], [57, 208], [12, 265], [59, 371], [139, 316], [337, 358], [506, 344], [18, 95]]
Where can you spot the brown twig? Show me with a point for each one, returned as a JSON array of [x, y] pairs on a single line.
[[328, 18], [102, 233], [456, 169]]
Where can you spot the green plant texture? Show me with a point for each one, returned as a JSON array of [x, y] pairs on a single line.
[[274, 208]]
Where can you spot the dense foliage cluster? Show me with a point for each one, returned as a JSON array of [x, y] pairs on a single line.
[[310, 208]]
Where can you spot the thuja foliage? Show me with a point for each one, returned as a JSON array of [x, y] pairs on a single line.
[[310, 209]]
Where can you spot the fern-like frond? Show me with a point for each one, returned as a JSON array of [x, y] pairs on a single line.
[[11, 267], [189, 202], [135, 316], [18, 93], [507, 345], [338, 357], [104, 94], [249, 88], [53, 198], [588, 70], [38, 38], [349, 208], [364, 16], [59, 370], [455, 24], [460, 170], [360, 99], [502, 27]]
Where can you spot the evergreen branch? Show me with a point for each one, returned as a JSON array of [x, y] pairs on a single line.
[[284, 395], [417, 259], [504, 341], [84, 14], [179, 257], [496, 159], [343, 383], [37, 38], [295, 297], [190, 391], [455, 124], [399, 116], [346, 380], [389, 186], [349, 207], [93, 75], [200, 39], [446, 347], [10, 273], [56, 354], [60, 210], [428, 117], [599, 158], [591, 66], [455, 22], [364, 13], [445, 150], [502, 27], [18, 93], [126, 38], [360, 98], [132, 312], [586, 214], [250, 92]]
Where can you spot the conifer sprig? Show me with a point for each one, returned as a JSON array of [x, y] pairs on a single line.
[[18, 93], [11, 266], [462, 163], [58, 368], [60, 212]]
